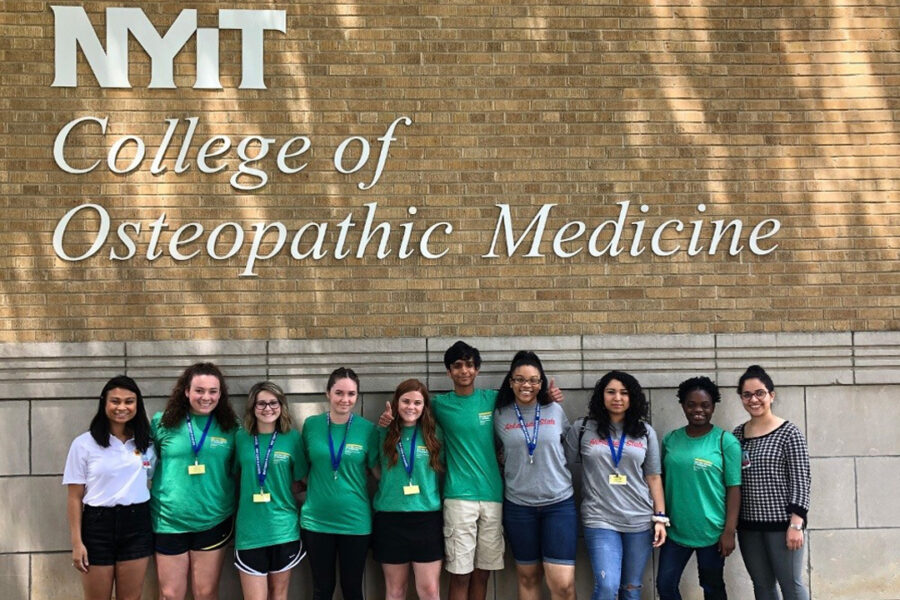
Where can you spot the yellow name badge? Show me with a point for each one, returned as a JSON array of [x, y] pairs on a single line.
[[262, 497], [616, 479], [410, 490], [196, 469]]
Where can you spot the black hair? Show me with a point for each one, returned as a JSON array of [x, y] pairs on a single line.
[[755, 372], [138, 426], [637, 405], [505, 395], [342, 373], [704, 384], [178, 406], [462, 351]]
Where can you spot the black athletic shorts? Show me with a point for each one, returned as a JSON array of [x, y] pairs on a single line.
[[172, 544], [270, 559]]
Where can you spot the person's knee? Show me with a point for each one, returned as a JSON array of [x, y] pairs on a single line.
[[562, 589], [396, 589], [712, 578], [529, 579], [428, 590]]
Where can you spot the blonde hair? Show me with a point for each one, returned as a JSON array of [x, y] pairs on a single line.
[[284, 423]]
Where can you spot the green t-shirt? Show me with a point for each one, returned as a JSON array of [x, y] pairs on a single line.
[[183, 503], [390, 496], [262, 524], [696, 473], [468, 425], [338, 505]]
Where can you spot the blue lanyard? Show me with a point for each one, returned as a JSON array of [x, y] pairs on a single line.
[[616, 452], [530, 441], [194, 445], [336, 459], [261, 471], [408, 462]]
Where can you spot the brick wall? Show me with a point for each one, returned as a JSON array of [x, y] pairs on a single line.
[[758, 111]]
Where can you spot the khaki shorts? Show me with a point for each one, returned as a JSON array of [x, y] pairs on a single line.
[[473, 536]]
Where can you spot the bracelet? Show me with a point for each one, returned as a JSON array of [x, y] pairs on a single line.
[[661, 518], [797, 526]]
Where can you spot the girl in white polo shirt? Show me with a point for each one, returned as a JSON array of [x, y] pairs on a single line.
[[107, 473]]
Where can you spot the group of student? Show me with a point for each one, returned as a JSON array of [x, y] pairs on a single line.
[[456, 472]]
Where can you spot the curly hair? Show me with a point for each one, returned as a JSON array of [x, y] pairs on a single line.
[[693, 384], [178, 405], [523, 358], [637, 410], [426, 421]]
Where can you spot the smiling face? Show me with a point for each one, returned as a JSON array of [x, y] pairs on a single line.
[[698, 408], [616, 400], [342, 398], [203, 394], [757, 399], [267, 408], [121, 405], [410, 407], [525, 381], [463, 372]]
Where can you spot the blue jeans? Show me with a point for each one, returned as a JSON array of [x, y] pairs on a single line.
[[673, 557], [542, 533], [618, 561]]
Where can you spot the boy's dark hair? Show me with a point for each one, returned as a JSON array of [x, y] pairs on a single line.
[[698, 383], [462, 351]]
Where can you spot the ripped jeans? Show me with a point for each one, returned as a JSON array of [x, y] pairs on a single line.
[[618, 560]]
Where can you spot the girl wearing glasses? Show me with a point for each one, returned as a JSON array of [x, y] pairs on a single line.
[[623, 508], [774, 492], [539, 507], [193, 494], [269, 457], [408, 523], [107, 472], [336, 519]]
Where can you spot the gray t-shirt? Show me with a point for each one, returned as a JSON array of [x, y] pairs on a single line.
[[623, 508], [547, 480]]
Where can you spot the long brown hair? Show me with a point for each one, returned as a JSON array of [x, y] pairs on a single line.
[[426, 421], [178, 405], [284, 422]]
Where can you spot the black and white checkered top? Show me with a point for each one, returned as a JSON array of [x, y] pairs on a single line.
[[774, 478]]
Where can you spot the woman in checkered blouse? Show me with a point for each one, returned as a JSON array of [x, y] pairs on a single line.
[[774, 493]]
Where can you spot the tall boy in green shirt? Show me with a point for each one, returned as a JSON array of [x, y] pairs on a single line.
[[473, 489]]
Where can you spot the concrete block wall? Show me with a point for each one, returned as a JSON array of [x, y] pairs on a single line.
[[825, 383]]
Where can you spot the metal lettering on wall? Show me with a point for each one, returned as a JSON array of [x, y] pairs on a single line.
[[261, 241]]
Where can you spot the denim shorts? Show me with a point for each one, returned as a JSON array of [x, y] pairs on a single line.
[[542, 533]]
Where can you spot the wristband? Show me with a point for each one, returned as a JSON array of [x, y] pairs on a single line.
[[660, 518], [797, 526]]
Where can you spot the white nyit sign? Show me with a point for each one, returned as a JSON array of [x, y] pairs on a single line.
[[73, 29]]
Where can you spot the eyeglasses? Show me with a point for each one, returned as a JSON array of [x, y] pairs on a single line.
[[273, 404], [758, 394], [532, 381]]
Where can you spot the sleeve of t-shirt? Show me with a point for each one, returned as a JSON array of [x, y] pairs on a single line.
[[76, 465], [652, 464], [301, 464], [372, 454], [731, 448], [570, 443], [564, 426]]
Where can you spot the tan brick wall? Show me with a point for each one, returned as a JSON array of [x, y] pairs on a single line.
[[756, 111]]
